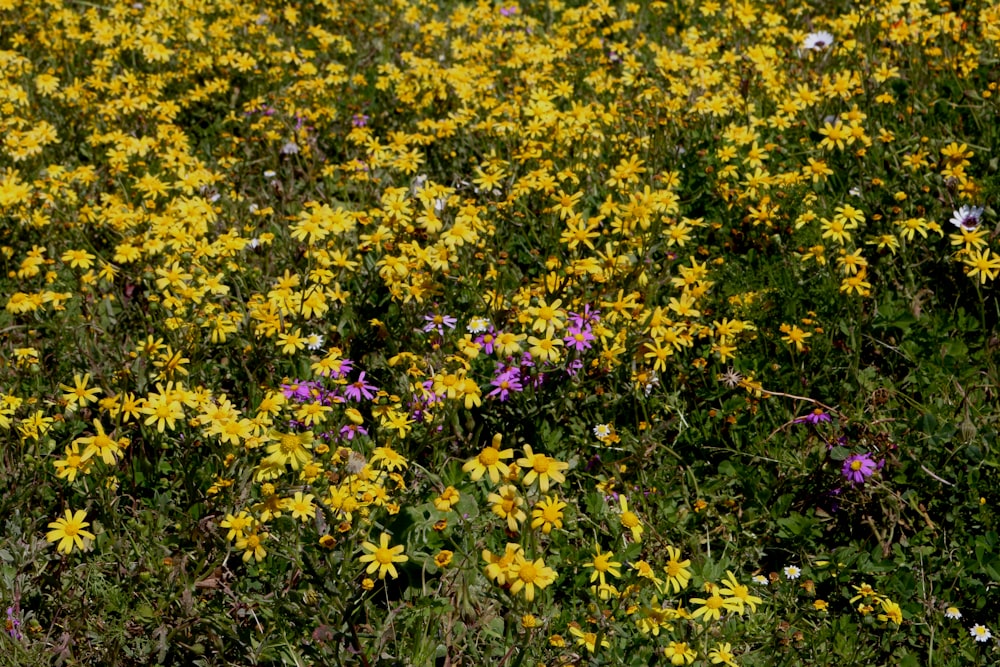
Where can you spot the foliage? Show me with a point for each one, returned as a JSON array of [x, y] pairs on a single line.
[[387, 333]]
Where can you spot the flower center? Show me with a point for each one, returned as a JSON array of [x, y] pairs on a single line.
[[383, 556], [489, 456], [540, 464], [527, 573], [855, 465]]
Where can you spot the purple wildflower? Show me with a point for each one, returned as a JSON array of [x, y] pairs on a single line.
[[814, 417], [439, 322], [486, 340], [359, 120], [505, 382], [351, 430], [13, 624], [586, 318], [859, 467], [578, 338], [508, 11], [360, 389]]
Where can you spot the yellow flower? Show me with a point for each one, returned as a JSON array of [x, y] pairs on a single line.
[[290, 448], [103, 445], [73, 463], [448, 498], [489, 461], [588, 639], [678, 571], [722, 654], [548, 513], [79, 393], [507, 503], [497, 567], [713, 606], [738, 594], [443, 559], [382, 558], [603, 565], [302, 506], [542, 468], [891, 612], [69, 531], [680, 653], [795, 336], [238, 525], [630, 520], [252, 546], [528, 575]]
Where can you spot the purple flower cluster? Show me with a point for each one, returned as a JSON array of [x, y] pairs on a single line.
[[13, 624]]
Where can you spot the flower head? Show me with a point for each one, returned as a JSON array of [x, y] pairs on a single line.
[[383, 558], [980, 633], [817, 41], [69, 531], [967, 217], [859, 467]]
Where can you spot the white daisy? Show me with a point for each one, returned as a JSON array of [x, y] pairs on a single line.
[[967, 217], [952, 612], [980, 632], [792, 572], [817, 41]]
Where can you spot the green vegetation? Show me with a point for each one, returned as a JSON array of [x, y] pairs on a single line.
[[387, 333]]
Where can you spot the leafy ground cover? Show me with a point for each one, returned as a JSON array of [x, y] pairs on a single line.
[[411, 333]]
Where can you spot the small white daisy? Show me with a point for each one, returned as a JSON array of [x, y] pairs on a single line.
[[980, 632], [817, 41], [792, 572], [290, 148], [760, 579], [952, 612], [602, 431], [314, 341], [478, 325]]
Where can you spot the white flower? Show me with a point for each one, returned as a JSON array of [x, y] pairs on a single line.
[[254, 243], [290, 148], [760, 579], [478, 325], [817, 41], [952, 612], [980, 632], [602, 431], [314, 341], [269, 174], [967, 217], [792, 572]]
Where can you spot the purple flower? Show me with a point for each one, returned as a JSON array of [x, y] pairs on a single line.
[[859, 467], [505, 382], [13, 624], [578, 338], [586, 318], [574, 367], [508, 11], [301, 390], [360, 389], [359, 120], [814, 417], [439, 322], [351, 430], [486, 340]]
